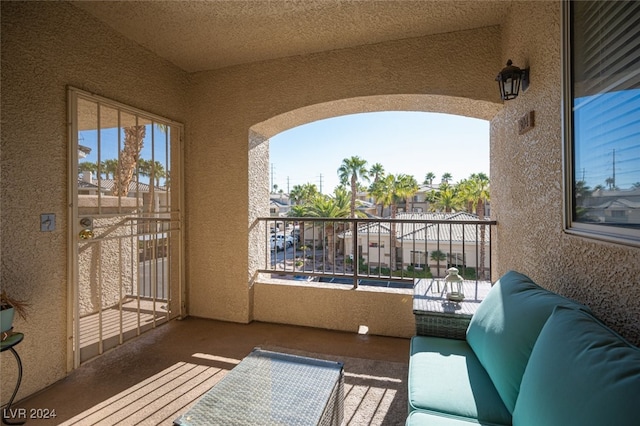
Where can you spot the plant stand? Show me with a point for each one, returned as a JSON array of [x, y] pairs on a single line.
[[8, 344]]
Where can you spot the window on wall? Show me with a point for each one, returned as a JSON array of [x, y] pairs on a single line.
[[602, 119]]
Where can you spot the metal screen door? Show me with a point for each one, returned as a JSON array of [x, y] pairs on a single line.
[[126, 223]]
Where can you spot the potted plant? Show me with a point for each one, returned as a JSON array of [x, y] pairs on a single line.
[[9, 306]]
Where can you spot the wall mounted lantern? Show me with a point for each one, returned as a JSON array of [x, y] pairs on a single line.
[[510, 79]]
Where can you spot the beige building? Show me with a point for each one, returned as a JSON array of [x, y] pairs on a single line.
[[414, 242], [231, 84]]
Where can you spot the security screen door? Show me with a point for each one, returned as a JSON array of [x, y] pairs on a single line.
[[126, 223]]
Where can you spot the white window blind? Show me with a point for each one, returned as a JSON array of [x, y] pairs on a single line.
[[605, 114]]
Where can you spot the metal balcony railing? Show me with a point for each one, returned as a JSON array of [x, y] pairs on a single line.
[[381, 252]]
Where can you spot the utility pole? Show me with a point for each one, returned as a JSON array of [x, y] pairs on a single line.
[[614, 168], [321, 183], [288, 191], [271, 188]]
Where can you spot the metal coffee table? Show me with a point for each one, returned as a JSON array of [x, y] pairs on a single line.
[[272, 388]]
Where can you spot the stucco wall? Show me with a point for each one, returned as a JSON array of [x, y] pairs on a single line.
[[526, 186], [224, 191], [45, 47], [335, 307]]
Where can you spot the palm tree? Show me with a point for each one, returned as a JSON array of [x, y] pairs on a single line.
[[407, 188], [303, 194], [350, 171], [438, 257], [376, 172], [378, 191], [446, 177], [299, 210], [466, 194], [445, 198], [157, 172], [133, 141], [109, 168], [480, 190], [154, 170], [428, 178], [87, 166], [610, 182], [389, 191], [330, 207], [144, 167]]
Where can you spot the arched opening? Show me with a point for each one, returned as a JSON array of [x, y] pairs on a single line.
[[260, 187]]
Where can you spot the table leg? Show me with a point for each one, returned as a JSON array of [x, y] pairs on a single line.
[[7, 409]]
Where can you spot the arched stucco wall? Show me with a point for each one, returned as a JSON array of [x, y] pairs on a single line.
[[271, 96], [484, 110], [526, 186]]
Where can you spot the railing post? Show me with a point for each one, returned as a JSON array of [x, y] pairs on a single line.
[[355, 260]]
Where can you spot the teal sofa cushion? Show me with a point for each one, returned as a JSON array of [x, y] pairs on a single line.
[[445, 376], [580, 373], [420, 418], [505, 327]]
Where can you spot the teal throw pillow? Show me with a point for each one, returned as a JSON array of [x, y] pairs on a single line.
[[506, 326], [580, 373]]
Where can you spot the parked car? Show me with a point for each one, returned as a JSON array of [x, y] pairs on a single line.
[[287, 240], [277, 243]]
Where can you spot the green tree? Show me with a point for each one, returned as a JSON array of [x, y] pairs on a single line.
[[446, 177], [407, 187], [387, 192], [109, 168], [479, 184], [300, 211], [154, 170], [446, 198], [350, 171], [133, 142], [376, 172], [473, 193], [330, 207], [157, 172], [438, 257], [303, 194], [465, 193], [87, 166], [378, 190], [428, 178]]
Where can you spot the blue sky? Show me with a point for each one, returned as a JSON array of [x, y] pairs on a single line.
[[607, 134], [413, 143]]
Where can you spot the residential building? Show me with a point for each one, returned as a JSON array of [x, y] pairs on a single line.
[[415, 241]]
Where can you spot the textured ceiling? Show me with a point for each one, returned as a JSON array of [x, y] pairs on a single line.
[[210, 34]]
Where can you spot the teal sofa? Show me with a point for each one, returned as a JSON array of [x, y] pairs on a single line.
[[530, 358]]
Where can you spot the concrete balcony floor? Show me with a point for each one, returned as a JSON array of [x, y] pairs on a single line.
[[160, 375]]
